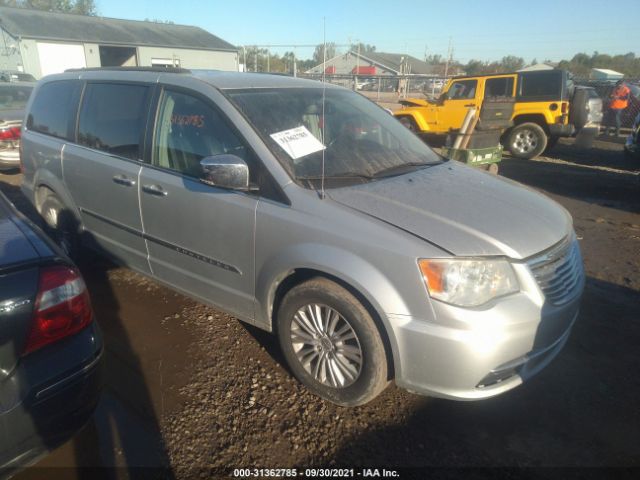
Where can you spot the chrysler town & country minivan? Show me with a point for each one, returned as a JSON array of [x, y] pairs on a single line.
[[306, 210]]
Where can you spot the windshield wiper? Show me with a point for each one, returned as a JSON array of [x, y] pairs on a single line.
[[339, 175], [399, 169]]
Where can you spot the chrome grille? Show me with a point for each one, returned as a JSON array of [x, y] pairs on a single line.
[[559, 272]]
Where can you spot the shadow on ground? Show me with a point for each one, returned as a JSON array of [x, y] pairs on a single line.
[[581, 411], [125, 430]]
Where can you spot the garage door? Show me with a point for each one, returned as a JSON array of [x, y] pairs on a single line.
[[57, 57]]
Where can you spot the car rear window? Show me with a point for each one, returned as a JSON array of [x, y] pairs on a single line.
[[14, 97], [53, 109], [112, 117]]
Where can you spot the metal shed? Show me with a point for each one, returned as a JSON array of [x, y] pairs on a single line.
[[42, 43]]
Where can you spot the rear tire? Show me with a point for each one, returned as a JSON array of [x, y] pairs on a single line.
[[331, 343], [61, 226], [527, 140], [551, 142]]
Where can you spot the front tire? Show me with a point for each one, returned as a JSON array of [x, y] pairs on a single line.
[[331, 343], [409, 123], [527, 140]]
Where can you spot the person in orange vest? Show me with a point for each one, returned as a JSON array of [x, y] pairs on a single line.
[[618, 101]]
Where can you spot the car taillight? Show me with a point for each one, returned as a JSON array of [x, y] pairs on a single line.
[[565, 107], [10, 133], [62, 307]]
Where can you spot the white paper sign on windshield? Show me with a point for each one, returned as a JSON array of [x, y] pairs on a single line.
[[298, 142]]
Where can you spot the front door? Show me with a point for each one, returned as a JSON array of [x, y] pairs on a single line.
[[102, 171], [461, 96], [200, 238]]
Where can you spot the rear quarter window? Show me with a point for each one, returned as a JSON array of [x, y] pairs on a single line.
[[53, 111], [112, 117], [541, 86]]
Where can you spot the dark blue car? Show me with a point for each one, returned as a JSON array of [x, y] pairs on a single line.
[[50, 345]]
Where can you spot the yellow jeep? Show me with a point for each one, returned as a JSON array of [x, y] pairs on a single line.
[[541, 111]]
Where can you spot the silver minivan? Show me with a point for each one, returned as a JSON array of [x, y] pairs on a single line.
[[308, 211]]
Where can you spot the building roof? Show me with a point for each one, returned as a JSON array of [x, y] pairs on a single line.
[[607, 71], [393, 61], [387, 61], [40, 25], [539, 66]]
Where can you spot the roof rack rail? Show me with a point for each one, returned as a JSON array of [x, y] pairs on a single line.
[[131, 69]]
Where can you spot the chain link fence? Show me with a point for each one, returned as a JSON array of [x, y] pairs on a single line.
[[604, 89]]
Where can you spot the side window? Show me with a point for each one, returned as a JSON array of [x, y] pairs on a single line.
[[541, 85], [188, 130], [112, 118], [462, 89], [498, 87], [53, 111]]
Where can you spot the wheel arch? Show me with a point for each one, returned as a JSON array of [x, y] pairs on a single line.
[[369, 285], [536, 118], [416, 116], [300, 275], [47, 183]]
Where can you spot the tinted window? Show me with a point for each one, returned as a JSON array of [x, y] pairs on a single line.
[[462, 89], [53, 110], [541, 84], [187, 131], [498, 87], [112, 117], [14, 96]]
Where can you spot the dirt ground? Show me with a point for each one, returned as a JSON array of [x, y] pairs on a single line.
[[193, 393]]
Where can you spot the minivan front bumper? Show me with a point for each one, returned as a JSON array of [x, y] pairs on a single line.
[[475, 354]]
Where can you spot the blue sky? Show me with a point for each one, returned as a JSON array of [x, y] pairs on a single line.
[[485, 30]]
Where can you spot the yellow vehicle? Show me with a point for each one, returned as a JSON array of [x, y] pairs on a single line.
[[541, 111]]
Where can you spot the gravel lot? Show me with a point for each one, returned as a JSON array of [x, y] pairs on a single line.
[[195, 393]]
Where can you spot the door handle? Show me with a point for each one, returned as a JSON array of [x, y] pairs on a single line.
[[470, 105], [156, 190], [122, 180]]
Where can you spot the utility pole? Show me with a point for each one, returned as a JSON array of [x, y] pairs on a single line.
[[449, 58], [268, 60], [295, 65], [244, 55]]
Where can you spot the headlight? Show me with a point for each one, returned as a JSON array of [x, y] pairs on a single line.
[[468, 283]]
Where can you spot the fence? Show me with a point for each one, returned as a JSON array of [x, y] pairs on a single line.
[[382, 88], [604, 89], [416, 85]]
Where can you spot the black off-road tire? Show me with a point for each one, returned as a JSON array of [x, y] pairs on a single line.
[[552, 141], [409, 123], [373, 374], [526, 140], [61, 226]]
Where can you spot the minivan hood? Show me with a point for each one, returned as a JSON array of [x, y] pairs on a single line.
[[462, 210]]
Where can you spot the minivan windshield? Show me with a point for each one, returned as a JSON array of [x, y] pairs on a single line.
[[360, 141]]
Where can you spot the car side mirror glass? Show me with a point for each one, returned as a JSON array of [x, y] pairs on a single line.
[[225, 171]]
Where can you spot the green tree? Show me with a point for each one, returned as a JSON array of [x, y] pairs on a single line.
[[363, 48], [81, 7], [511, 63], [318, 53]]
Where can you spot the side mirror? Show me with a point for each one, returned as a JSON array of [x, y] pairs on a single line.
[[225, 171]]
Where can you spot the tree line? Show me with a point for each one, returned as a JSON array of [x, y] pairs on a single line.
[[81, 7], [262, 60]]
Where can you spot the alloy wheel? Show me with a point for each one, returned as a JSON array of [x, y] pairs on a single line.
[[326, 345]]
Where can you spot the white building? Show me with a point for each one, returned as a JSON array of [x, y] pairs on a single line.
[[41, 43]]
